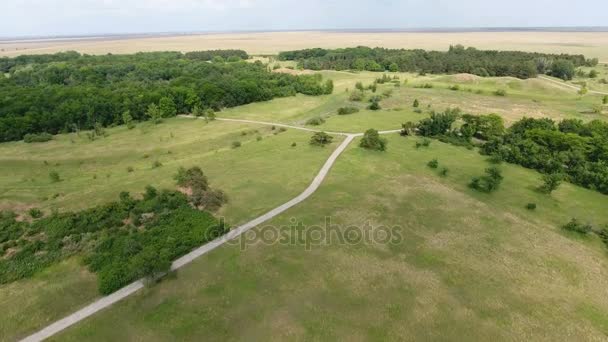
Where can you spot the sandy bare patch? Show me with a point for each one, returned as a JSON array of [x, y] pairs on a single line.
[[293, 71], [465, 78]]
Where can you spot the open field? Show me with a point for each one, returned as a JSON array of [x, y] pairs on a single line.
[[470, 266], [591, 44], [257, 177], [530, 98], [95, 172]]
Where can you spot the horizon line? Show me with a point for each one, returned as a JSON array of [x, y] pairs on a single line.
[[6, 39]]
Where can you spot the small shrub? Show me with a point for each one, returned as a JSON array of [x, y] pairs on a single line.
[[444, 171], [316, 121], [455, 87], [500, 92], [236, 144], [321, 139], [531, 206], [489, 182], [347, 110], [416, 103], [575, 226], [156, 164], [424, 143], [356, 96], [146, 156], [37, 138], [495, 159], [35, 213], [130, 169], [293, 144], [433, 164], [54, 176], [371, 140], [282, 129], [258, 138], [551, 182]]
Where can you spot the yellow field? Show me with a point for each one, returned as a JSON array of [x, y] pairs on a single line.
[[592, 44]]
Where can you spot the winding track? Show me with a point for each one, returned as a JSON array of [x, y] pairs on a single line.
[[128, 290], [570, 85]]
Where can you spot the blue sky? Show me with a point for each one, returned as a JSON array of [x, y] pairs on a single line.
[[67, 17]]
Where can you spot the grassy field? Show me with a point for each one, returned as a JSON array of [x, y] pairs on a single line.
[[257, 177], [594, 83], [95, 172], [530, 98], [591, 44], [470, 266]]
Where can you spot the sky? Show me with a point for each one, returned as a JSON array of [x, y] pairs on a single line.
[[87, 17]]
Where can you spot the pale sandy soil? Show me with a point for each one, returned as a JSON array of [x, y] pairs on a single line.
[[592, 44]]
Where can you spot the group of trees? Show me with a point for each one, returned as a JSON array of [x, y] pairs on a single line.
[[569, 150], [572, 150], [121, 241], [457, 59], [68, 91]]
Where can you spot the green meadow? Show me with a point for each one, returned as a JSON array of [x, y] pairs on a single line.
[[468, 266]]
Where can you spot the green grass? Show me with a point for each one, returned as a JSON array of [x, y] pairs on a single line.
[[94, 172], [33, 303], [529, 98], [525, 98], [471, 266], [257, 177]]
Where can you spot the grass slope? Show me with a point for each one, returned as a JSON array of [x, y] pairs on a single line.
[[471, 266], [257, 177], [525, 98]]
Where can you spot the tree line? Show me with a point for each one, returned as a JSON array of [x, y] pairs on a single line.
[[68, 92], [571, 149], [457, 59]]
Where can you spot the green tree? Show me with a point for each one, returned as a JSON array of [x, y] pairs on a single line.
[[197, 111], [329, 87], [167, 107], [563, 68], [593, 73], [209, 114], [605, 100], [127, 119], [393, 67], [371, 140], [551, 182], [416, 103], [154, 113], [321, 139]]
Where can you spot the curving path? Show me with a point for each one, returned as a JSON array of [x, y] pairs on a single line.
[[567, 85], [128, 290]]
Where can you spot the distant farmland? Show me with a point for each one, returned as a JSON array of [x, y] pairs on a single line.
[[591, 44]]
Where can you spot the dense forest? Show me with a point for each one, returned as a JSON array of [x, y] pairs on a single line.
[[457, 59], [571, 149], [68, 91]]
